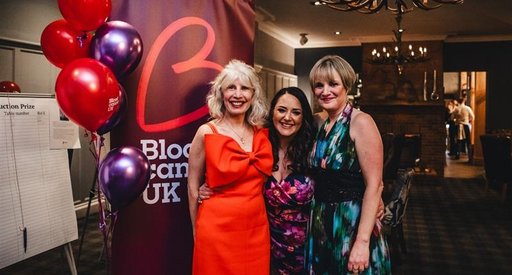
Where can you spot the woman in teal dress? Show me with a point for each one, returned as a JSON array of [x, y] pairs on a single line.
[[346, 160]]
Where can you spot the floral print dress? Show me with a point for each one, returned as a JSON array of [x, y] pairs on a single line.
[[336, 208], [288, 208]]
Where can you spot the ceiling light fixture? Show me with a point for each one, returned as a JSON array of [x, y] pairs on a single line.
[[303, 38], [395, 6], [399, 56]]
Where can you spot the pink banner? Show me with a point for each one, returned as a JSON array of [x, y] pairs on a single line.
[[186, 44]]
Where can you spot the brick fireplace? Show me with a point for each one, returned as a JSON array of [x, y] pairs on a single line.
[[426, 120], [403, 103]]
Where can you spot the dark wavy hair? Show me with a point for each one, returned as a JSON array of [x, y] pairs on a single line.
[[301, 144]]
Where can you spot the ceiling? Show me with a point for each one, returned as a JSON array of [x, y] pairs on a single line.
[[474, 20]]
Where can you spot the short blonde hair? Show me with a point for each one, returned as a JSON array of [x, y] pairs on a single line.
[[238, 70], [326, 69]]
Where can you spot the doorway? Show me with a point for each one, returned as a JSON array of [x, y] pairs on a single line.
[[471, 84]]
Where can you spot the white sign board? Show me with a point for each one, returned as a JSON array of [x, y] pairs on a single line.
[[35, 183]]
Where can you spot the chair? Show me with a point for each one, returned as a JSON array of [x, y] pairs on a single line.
[[394, 214], [411, 151], [392, 145], [497, 151], [387, 145]]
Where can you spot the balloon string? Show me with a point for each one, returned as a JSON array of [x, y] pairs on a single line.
[[113, 219], [113, 216], [98, 143], [81, 39], [92, 145]]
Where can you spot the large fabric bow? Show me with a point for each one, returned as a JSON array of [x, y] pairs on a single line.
[[225, 157]]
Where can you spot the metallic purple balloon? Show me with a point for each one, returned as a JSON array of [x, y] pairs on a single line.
[[123, 175], [117, 45], [117, 116]]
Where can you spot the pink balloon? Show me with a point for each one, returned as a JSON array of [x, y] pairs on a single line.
[[87, 92]]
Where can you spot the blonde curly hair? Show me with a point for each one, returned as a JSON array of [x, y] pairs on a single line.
[[238, 70]]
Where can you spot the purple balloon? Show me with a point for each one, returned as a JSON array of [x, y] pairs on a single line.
[[117, 45], [123, 175], [117, 116]]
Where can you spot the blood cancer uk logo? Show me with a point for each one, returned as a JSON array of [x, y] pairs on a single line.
[[197, 61]]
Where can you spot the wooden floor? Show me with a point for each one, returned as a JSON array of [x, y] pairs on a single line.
[[462, 169]]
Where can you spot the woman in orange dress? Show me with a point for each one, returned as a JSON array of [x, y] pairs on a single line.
[[234, 156]]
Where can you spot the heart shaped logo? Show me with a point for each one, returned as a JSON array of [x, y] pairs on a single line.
[[195, 62]]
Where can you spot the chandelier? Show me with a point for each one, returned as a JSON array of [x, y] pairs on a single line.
[[395, 6], [397, 55]]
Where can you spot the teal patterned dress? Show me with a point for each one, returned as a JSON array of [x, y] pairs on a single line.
[[336, 208]]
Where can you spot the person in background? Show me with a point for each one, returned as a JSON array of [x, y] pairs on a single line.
[[233, 154], [452, 127], [464, 116], [346, 163], [289, 190]]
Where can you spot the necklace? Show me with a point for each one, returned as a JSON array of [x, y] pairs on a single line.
[[240, 137]]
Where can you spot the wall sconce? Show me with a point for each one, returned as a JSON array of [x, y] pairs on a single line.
[[303, 39]]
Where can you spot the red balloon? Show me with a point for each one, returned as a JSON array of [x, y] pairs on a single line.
[[117, 116], [61, 43], [87, 92], [85, 15], [9, 87]]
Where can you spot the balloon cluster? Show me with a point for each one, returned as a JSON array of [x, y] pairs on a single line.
[[94, 54]]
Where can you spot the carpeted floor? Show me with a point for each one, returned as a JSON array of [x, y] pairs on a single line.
[[457, 227], [92, 260], [451, 227]]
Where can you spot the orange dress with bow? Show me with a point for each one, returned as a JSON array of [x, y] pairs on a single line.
[[232, 232]]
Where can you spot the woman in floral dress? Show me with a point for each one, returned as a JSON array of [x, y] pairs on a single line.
[[346, 163], [289, 191]]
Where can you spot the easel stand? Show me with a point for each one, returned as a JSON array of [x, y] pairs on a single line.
[[40, 202], [68, 251], [92, 192]]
